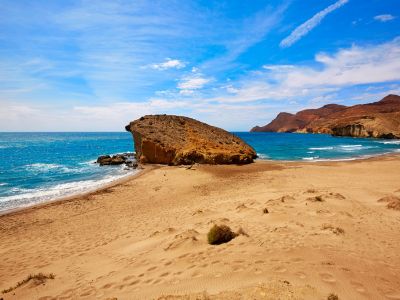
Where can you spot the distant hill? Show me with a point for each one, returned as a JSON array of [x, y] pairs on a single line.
[[378, 119]]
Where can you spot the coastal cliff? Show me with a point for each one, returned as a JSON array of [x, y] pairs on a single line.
[[177, 140], [378, 119]]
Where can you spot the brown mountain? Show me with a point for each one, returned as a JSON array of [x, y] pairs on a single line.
[[378, 119], [176, 140]]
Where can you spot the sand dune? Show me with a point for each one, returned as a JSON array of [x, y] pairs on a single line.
[[145, 238]]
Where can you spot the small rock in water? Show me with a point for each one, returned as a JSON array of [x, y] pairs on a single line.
[[118, 159]]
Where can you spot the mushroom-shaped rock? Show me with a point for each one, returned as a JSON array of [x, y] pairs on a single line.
[[176, 140]]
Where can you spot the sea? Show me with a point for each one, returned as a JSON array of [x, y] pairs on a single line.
[[38, 167]]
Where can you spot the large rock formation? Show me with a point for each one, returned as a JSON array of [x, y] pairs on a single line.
[[175, 140], [379, 119]]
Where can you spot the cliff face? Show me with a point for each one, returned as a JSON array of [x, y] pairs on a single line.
[[176, 140], [379, 119]]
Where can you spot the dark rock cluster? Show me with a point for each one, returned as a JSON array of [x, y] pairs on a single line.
[[124, 158]]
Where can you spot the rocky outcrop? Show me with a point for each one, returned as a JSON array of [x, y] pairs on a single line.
[[176, 140], [118, 159], [379, 119]]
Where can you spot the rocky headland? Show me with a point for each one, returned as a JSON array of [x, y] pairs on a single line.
[[378, 119], [177, 140]]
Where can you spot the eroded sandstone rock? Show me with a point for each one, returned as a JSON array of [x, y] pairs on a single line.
[[177, 140], [379, 120]]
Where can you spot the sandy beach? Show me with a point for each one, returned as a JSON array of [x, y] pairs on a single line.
[[146, 238]]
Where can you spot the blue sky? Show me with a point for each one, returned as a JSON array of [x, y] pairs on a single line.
[[96, 65]]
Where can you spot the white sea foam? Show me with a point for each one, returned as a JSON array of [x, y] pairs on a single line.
[[396, 142], [351, 146], [321, 148], [44, 168], [310, 158], [26, 197], [3, 183]]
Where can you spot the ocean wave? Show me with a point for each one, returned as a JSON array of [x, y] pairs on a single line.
[[321, 148], [42, 166], [45, 168], [350, 146], [25, 197], [397, 142], [3, 183], [342, 148], [310, 158]]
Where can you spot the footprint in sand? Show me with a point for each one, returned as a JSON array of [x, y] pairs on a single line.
[[128, 277], [358, 286], [393, 296], [327, 277], [301, 275], [257, 271], [107, 286], [237, 268], [280, 269], [196, 275], [134, 282]]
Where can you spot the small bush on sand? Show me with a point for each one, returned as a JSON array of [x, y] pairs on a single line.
[[335, 230], [265, 211], [220, 234], [333, 297], [38, 279]]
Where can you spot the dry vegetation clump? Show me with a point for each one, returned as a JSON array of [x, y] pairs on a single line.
[[38, 279], [335, 230], [333, 297], [318, 199], [220, 234], [393, 202], [265, 211]]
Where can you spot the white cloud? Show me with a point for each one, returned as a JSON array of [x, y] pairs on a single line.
[[356, 65], [346, 68], [193, 82], [169, 64], [384, 18], [307, 26], [278, 67]]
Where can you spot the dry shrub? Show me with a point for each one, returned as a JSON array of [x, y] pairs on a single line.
[[316, 199], [393, 202], [335, 230], [220, 234], [38, 279], [333, 297]]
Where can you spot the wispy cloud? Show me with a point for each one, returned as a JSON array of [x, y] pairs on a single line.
[[354, 66], [384, 18], [169, 64], [310, 24], [236, 38]]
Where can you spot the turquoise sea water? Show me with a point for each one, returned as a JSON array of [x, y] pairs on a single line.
[[35, 167]]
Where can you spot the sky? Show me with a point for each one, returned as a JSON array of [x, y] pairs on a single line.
[[97, 65]]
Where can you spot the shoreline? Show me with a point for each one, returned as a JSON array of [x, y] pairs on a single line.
[[96, 190], [325, 231], [148, 167]]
